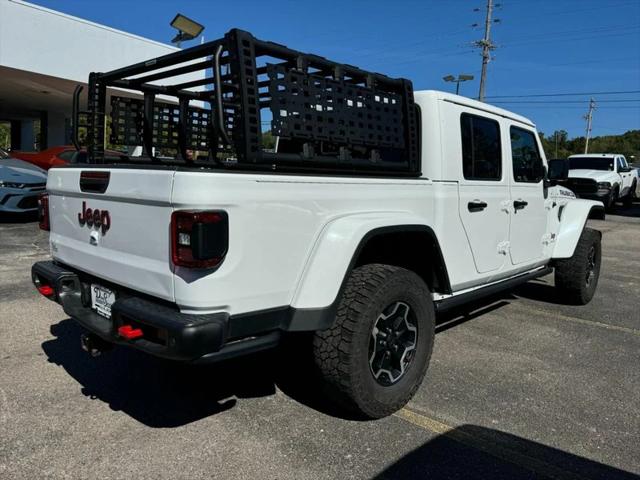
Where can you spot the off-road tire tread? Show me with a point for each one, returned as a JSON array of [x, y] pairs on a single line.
[[332, 346], [570, 272], [628, 200]]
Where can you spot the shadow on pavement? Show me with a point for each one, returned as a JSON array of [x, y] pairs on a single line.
[[540, 290], [473, 452], [164, 394], [156, 392], [18, 217], [624, 211]]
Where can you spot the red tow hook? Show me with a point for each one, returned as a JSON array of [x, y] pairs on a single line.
[[128, 332], [46, 290]]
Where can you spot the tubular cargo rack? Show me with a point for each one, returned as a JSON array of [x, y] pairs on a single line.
[[326, 116]]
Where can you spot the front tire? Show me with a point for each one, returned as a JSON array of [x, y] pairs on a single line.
[[375, 355], [628, 200], [577, 277]]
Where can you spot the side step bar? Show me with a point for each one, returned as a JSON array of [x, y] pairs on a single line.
[[457, 300]]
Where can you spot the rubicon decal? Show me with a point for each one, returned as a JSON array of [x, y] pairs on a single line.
[[94, 218]]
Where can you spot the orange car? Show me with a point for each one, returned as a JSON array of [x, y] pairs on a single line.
[[54, 156]]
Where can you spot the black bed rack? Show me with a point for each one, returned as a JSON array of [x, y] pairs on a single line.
[[326, 116]]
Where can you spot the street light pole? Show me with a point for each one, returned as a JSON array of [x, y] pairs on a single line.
[[461, 78]]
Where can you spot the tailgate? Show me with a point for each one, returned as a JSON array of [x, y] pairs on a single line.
[[133, 250]]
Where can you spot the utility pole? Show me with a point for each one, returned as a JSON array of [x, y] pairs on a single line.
[[486, 46], [589, 117], [556, 144]]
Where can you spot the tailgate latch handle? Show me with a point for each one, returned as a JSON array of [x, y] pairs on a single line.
[[94, 182]]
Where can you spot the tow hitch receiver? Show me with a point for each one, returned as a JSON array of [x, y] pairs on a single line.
[[94, 345]]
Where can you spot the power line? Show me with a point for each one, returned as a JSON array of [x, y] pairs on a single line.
[[562, 107], [567, 39], [596, 60], [580, 31], [554, 102], [556, 13], [565, 94]]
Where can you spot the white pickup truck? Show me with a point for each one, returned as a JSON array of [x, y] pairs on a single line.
[[606, 177], [378, 209]]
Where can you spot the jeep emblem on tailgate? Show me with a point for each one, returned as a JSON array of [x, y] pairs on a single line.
[[94, 218]]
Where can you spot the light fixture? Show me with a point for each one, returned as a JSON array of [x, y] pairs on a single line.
[[457, 81], [187, 29]]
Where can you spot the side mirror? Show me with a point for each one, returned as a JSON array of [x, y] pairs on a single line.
[[558, 170]]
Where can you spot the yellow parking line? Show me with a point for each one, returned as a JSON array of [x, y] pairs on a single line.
[[535, 465], [424, 422]]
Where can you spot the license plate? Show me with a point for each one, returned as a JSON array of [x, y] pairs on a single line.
[[102, 299]]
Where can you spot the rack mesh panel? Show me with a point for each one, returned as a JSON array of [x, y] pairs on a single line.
[[308, 106], [127, 116]]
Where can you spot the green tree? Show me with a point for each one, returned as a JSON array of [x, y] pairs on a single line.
[[268, 141], [628, 144], [5, 135]]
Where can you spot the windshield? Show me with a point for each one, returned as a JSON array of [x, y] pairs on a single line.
[[591, 163]]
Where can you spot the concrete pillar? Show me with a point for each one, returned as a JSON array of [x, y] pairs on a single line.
[[16, 139], [56, 131], [43, 141], [27, 136]]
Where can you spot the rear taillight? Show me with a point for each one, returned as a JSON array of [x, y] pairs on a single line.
[[43, 211], [199, 239]]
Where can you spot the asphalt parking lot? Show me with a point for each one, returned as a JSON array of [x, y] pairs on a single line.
[[520, 386]]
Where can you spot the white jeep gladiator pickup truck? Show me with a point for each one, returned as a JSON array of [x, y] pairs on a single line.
[[377, 209], [606, 177]]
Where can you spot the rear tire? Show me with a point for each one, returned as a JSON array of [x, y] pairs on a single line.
[[628, 200], [375, 355], [577, 277], [611, 200]]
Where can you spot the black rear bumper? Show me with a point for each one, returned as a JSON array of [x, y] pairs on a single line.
[[166, 332]]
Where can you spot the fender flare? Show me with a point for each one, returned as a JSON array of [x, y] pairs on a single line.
[[334, 255], [572, 222]]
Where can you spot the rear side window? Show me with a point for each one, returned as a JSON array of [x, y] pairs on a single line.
[[481, 150], [67, 155], [527, 163]]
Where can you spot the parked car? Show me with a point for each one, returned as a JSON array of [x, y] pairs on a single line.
[[61, 155], [379, 207], [20, 184], [606, 177], [47, 158]]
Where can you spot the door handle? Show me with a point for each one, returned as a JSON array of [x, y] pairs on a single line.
[[519, 204], [476, 206]]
